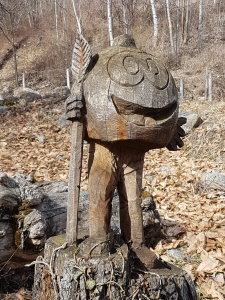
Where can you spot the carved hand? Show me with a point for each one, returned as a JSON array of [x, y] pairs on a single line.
[[178, 133], [74, 106]]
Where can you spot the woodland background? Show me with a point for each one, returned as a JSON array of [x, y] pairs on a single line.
[[37, 38]]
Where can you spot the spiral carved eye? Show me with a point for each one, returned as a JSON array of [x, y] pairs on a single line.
[[124, 70], [129, 69], [130, 65]]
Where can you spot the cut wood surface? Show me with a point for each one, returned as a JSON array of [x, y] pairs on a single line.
[[63, 274]]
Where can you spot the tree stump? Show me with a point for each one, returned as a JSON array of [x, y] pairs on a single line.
[[63, 274]]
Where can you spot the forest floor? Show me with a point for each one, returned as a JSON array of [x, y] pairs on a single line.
[[195, 210]]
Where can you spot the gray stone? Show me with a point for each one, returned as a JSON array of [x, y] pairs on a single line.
[[5, 89], [28, 191], [165, 170], [9, 195], [3, 109], [219, 159], [193, 121], [178, 255], [42, 138], [214, 178], [28, 94], [22, 102], [62, 121], [148, 177], [60, 158], [61, 91]]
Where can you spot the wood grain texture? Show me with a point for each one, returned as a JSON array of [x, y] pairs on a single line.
[[113, 276], [80, 58], [74, 181], [123, 80]]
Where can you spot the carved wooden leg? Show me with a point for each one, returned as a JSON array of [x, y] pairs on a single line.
[[132, 179], [129, 188], [125, 223], [101, 186]]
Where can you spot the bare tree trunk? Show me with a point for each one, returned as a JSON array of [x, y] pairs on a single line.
[[77, 18], [186, 22], [29, 13], [125, 24], [182, 18], [64, 16], [56, 21], [14, 50], [110, 21], [170, 25], [177, 29], [41, 9], [206, 84], [200, 25], [155, 23]]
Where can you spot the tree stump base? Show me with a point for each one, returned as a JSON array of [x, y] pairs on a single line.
[[63, 275]]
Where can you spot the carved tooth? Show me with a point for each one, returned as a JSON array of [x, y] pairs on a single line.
[[149, 122], [137, 119]]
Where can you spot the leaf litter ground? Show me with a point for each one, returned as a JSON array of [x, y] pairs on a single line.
[[192, 212]]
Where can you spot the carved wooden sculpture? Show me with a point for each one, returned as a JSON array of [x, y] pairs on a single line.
[[131, 107]]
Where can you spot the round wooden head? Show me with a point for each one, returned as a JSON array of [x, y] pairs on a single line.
[[130, 96]]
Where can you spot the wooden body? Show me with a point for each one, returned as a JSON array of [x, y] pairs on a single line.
[[130, 96], [74, 181], [131, 107]]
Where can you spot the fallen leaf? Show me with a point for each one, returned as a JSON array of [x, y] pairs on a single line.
[[196, 243], [208, 263]]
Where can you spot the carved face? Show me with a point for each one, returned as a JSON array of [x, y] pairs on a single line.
[[130, 96]]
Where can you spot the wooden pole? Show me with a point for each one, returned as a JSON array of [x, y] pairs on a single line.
[[210, 86], [206, 84], [23, 81], [80, 60], [68, 78], [110, 22], [181, 89], [177, 28], [74, 181]]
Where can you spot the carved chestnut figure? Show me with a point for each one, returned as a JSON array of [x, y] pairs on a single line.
[[131, 106]]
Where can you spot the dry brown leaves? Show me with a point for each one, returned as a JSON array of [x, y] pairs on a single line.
[[171, 177]]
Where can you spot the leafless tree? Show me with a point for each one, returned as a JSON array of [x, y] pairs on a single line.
[[178, 27], [125, 22], [186, 21], [170, 25], [200, 19], [56, 21], [77, 17], [110, 21], [10, 17], [155, 22]]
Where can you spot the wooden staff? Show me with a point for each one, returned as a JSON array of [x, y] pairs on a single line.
[[74, 104]]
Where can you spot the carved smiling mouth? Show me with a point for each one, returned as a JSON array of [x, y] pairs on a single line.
[[138, 113]]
